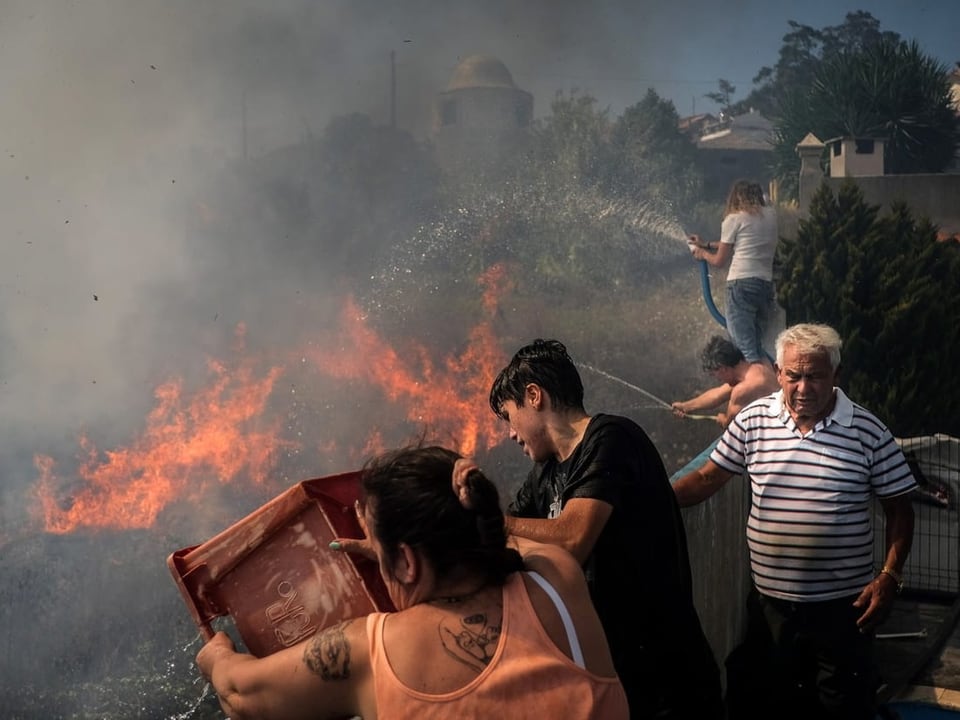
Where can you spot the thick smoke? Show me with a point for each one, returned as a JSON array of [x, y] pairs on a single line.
[[121, 124], [131, 253]]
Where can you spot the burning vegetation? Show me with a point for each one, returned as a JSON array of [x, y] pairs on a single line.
[[322, 324]]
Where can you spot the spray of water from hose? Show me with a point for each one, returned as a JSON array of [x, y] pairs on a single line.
[[662, 404], [678, 232]]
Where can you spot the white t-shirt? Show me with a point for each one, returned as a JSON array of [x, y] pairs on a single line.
[[754, 239]]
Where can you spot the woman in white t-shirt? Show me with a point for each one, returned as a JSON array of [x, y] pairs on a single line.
[[748, 240]]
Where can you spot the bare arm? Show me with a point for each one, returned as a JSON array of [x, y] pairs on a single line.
[[743, 394], [759, 380], [719, 258], [707, 400], [320, 677], [545, 558], [566, 575], [700, 484], [576, 529], [899, 533], [877, 597]]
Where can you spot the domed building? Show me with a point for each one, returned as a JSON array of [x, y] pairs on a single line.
[[482, 118]]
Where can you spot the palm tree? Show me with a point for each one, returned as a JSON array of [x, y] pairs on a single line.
[[888, 89]]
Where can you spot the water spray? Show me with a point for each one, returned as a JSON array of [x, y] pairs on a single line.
[[663, 404]]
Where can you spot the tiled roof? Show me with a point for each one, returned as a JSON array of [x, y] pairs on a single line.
[[751, 131]]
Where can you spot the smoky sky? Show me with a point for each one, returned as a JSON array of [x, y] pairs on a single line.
[[118, 120], [114, 111]]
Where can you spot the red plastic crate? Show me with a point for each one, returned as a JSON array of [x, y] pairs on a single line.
[[273, 573]]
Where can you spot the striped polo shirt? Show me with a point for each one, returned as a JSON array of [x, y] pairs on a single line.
[[810, 527]]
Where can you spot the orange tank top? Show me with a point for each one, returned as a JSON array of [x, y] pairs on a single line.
[[528, 677]]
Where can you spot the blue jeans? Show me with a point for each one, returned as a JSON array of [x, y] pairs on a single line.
[[749, 308]]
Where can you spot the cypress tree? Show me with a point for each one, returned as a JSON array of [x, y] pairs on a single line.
[[890, 290]]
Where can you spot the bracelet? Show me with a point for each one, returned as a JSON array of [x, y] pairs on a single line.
[[897, 577]]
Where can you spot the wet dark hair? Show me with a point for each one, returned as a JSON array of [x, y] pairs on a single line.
[[544, 363], [413, 502], [719, 352]]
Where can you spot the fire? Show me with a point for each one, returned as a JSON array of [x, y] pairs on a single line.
[[450, 397], [187, 442], [228, 431]]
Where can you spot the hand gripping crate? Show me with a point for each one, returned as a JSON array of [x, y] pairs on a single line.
[[273, 573]]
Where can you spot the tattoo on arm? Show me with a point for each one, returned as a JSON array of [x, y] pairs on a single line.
[[328, 654], [473, 643]]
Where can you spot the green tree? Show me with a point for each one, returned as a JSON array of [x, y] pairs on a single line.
[[889, 90], [566, 197], [816, 264], [372, 184], [591, 203], [801, 53], [723, 96], [572, 142], [889, 288], [651, 160]]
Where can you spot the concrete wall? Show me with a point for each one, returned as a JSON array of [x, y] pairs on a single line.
[[934, 196], [720, 564], [845, 161]]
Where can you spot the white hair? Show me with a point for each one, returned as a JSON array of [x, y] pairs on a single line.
[[810, 338]]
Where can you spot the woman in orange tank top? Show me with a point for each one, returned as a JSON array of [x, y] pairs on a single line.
[[481, 628]]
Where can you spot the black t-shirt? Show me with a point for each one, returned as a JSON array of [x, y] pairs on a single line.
[[639, 570]]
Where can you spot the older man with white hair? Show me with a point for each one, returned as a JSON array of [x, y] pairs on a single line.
[[815, 460]]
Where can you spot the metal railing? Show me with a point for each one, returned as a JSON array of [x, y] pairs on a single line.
[[933, 566]]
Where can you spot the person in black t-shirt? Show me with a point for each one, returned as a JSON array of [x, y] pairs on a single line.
[[598, 488]]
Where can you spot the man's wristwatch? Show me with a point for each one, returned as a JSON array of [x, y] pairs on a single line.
[[897, 577]]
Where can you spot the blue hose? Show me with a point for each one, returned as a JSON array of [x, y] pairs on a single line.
[[708, 296], [711, 305]]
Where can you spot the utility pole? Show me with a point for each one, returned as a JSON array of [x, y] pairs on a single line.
[[243, 122], [393, 90]]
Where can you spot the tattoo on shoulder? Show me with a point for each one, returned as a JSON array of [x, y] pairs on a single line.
[[473, 642], [328, 653]]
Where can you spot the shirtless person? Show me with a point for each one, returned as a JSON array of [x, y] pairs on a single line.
[[742, 382]]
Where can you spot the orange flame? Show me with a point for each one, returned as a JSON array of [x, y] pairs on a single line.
[[187, 441], [221, 432], [451, 398]]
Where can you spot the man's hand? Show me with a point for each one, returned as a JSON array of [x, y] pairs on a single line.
[[680, 409], [461, 469], [877, 599]]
